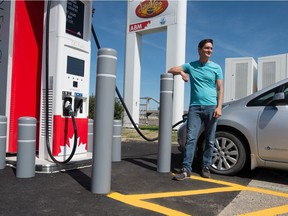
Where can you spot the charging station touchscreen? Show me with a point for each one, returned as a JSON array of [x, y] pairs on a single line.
[[75, 66], [75, 18]]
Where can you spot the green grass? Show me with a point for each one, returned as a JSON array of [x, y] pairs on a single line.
[[149, 127], [150, 131]]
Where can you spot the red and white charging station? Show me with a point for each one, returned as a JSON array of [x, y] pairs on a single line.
[[69, 74], [23, 72]]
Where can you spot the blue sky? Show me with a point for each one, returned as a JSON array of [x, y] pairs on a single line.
[[239, 29]]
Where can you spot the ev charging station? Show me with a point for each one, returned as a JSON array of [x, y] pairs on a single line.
[[45, 72], [68, 77]]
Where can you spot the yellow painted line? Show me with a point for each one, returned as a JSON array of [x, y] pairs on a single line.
[[217, 182], [137, 200], [269, 212], [183, 193], [254, 189], [266, 191], [145, 205]]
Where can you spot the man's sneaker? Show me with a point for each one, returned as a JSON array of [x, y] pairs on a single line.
[[182, 175], [205, 172]]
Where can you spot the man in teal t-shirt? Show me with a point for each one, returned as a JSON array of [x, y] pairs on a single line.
[[206, 94]]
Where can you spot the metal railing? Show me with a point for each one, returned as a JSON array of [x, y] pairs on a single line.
[[146, 110]]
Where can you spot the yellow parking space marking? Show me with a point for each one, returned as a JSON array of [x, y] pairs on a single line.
[[145, 205], [218, 182], [182, 193], [269, 212], [240, 187], [138, 200], [265, 191]]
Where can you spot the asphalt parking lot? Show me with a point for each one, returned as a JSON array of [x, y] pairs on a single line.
[[138, 189]]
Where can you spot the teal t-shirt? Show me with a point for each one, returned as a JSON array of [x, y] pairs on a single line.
[[203, 87]]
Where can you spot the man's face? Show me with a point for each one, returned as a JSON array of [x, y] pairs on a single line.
[[206, 50]]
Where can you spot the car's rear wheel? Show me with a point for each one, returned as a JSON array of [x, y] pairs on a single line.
[[229, 154]]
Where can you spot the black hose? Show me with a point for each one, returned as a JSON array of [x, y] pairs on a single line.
[[131, 119], [95, 38], [176, 124], [123, 103], [47, 99]]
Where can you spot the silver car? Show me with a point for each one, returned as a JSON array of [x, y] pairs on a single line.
[[252, 131]]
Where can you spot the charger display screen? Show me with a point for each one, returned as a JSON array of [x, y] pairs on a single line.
[[75, 66], [75, 18]]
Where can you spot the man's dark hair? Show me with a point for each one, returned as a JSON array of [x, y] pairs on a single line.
[[203, 42]]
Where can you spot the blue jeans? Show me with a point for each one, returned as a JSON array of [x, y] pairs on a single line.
[[197, 116]]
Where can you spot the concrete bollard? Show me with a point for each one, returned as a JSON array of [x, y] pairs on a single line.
[[165, 123], [103, 121], [90, 135], [26, 150], [116, 140], [3, 138]]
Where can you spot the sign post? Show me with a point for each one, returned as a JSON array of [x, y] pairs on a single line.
[[145, 17]]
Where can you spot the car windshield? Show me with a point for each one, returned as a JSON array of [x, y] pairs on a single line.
[[266, 98]]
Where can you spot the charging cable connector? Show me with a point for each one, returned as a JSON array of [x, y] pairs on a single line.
[[68, 108]]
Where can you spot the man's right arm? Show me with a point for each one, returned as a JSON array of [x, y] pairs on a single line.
[[178, 70]]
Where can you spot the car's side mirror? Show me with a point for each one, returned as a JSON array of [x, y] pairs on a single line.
[[279, 98], [185, 116]]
